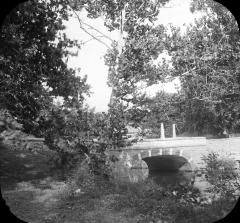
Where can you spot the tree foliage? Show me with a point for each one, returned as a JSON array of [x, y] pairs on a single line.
[[222, 173], [130, 58], [206, 58], [166, 108], [33, 56], [131, 61], [33, 48], [76, 134]]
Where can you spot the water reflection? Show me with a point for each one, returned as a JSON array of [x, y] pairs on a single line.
[[172, 178], [183, 178], [164, 178]]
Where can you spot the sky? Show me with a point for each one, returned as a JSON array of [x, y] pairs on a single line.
[[91, 56]]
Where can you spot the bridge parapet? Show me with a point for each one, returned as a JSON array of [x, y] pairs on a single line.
[[169, 143], [161, 152]]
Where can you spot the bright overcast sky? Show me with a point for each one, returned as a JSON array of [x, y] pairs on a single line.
[[91, 56]]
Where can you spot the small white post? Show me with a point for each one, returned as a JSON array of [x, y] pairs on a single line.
[[162, 131], [160, 152], [174, 130]]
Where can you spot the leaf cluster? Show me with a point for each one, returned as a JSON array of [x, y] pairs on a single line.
[[206, 59], [223, 175], [32, 52]]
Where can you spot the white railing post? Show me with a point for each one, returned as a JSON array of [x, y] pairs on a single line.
[[162, 131], [174, 130]]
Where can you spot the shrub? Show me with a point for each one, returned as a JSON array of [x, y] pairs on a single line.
[[222, 173], [74, 134], [80, 179], [12, 134]]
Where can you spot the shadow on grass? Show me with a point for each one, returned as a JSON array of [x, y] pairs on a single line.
[[18, 166]]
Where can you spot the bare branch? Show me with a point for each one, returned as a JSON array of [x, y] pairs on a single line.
[[94, 37], [91, 39], [104, 35]]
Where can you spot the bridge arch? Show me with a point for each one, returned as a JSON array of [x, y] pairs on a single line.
[[164, 159]]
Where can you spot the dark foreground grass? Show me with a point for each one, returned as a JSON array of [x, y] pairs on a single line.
[[17, 166], [28, 185], [145, 202], [35, 194]]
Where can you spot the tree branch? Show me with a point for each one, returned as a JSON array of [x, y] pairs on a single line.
[[94, 37], [91, 27], [91, 39]]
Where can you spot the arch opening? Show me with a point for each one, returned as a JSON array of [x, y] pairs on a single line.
[[166, 163], [168, 170]]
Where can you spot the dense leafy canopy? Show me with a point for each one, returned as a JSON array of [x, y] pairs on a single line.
[[32, 52], [206, 58], [130, 58], [33, 57], [131, 61]]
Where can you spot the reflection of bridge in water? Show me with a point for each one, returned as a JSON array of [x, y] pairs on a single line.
[[174, 154]]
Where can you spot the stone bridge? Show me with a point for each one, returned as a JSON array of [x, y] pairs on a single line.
[[162, 154], [176, 153]]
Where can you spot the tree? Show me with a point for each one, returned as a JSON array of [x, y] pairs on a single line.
[[167, 108], [76, 134], [206, 58], [33, 50], [130, 58]]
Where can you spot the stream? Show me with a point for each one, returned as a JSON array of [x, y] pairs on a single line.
[[173, 178], [163, 178]]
